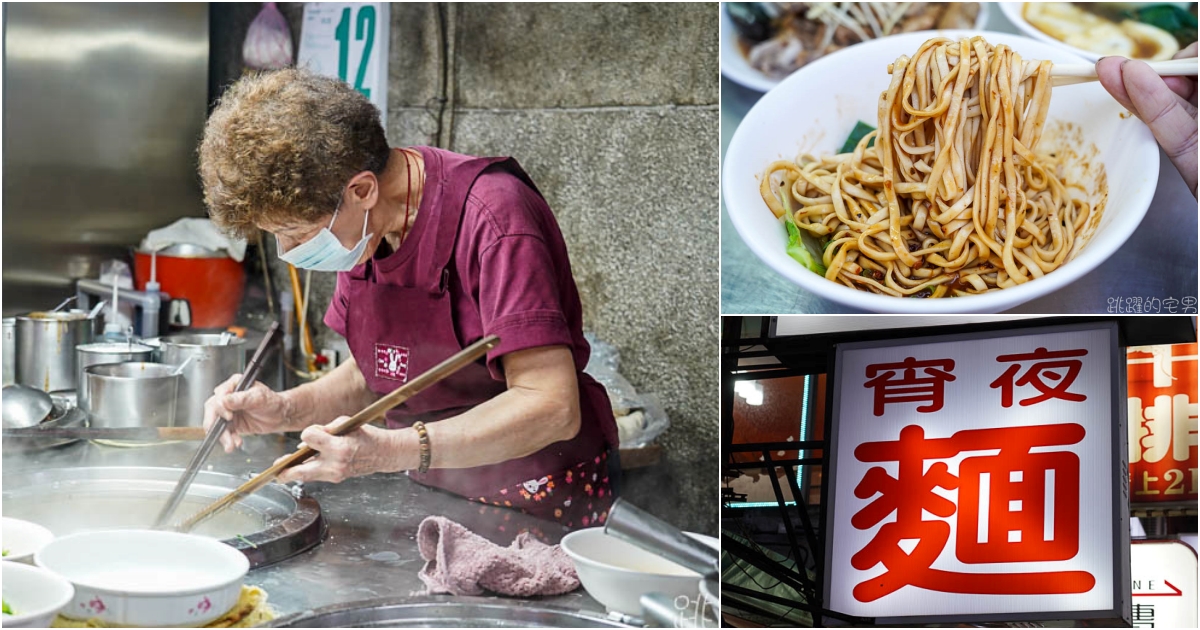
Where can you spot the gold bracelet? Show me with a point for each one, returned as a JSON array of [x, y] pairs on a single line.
[[423, 436]]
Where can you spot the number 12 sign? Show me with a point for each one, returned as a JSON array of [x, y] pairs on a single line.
[[349, 40]]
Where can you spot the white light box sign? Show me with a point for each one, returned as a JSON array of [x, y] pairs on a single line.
[[979, 477], [1164, 584]]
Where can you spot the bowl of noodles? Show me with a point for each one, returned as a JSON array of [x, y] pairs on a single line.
[[877, 177], [1147, 31], [763, 42]]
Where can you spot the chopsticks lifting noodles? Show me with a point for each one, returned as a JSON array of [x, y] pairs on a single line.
[[373, 412], [1072, 73], [214, 433]]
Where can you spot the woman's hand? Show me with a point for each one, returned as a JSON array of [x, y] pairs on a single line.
[[361, 452], [256, 410], [1166, 105]]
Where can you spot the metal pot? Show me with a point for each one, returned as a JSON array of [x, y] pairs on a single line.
[[132, 394], [9, 375], [46, 345], [213, 364], [106, 352]]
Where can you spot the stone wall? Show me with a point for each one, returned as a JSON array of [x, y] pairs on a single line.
[[612, 109]]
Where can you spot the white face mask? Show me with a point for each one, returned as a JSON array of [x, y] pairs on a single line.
[[324, 252]]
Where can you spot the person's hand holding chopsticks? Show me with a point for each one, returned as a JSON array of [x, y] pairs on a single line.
[[1166, 104], [364, 451], [256, 410]]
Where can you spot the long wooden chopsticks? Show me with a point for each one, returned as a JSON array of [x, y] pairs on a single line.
[[216, 431], [375, 411]]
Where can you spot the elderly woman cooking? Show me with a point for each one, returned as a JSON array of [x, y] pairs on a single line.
[[433, 250]]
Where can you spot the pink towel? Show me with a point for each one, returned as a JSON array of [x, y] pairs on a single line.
[[460, 562]]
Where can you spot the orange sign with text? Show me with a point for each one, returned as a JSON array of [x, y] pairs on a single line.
[[1162, 423]]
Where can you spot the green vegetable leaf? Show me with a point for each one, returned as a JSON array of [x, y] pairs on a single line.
[[860, 129], [7, 610], [799, 252], [246, 540], [1170, 18]]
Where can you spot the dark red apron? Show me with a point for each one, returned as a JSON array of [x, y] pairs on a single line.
[[396, 331]]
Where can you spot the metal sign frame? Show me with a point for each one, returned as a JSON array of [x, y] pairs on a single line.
[[1122, 600]]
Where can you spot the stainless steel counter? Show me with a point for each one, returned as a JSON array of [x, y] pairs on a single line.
[[1158, 263], [371, 549]]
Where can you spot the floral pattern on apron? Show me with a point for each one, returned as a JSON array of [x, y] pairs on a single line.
[[579, 496]]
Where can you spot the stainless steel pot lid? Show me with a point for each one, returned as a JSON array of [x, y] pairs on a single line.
[[444, 612], [267, 527]]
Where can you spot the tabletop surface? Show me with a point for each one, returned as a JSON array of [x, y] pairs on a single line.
[[370, 550], [1157, 264]]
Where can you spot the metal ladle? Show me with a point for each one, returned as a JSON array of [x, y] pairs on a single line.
[[96, 309], [64, 303], [25, 406]]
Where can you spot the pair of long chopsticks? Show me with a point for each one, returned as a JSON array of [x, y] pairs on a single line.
[[375, 411], [1072, 73], [216, 431]]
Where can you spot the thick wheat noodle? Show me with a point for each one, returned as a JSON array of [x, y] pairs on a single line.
[[952, 199]]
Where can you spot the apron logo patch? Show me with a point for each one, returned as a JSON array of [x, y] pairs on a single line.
[[391, 362]]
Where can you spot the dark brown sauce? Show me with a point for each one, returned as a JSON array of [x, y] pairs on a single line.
[[957, 283], [1144, 49]]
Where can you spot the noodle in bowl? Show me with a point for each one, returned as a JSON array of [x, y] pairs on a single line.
[[910, 216]]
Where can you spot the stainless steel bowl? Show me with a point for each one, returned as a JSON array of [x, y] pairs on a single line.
[[132, 394], [62, 416]]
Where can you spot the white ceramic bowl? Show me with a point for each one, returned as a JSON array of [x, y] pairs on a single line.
[[735, 66], [815, 109], [21, 539], [147, 578], [1014, 12], [618, 573], [35, 595]]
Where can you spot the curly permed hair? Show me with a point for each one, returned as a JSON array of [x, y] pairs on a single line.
[[281, 146]]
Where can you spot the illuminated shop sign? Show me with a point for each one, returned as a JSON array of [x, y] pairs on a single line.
[[1162, 423], [978, 477]]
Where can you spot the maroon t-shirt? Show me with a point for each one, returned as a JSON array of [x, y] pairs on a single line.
[[512, 275]]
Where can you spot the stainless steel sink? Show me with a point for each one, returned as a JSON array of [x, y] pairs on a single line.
[[444, 612]]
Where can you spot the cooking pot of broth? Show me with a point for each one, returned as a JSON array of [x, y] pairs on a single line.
[[46, 343]]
